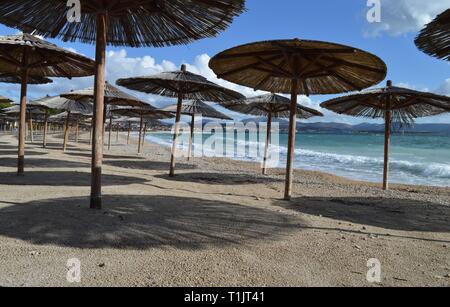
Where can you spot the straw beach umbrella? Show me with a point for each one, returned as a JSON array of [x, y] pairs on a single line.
[[270, 106], [434, 39], [113, 97], [144, 114], [395, 105], [71, 107], [15, 79], [120, 23], [298, 67], [193, 108], [28, 55], [182, 85]]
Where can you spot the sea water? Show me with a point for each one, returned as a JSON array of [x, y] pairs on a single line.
[[414, 159]]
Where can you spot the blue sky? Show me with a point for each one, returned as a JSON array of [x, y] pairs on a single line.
[[341, 21]]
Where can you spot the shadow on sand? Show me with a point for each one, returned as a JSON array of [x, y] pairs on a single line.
[[106, 156], [147, 165], [42, 163], [220, 178], [69, 179], [140, 222], [27, 153], [393, 214]]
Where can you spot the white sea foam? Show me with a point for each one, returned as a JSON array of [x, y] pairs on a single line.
[[354, 166]]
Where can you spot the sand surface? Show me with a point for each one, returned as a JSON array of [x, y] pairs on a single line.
[[217, 223]]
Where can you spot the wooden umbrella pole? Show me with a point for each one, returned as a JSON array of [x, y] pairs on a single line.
[[44, 140], [90, 135], [144, 135], [110, 131], [266, 149], [99, 97], [175, 135], [30, 114], [292, 136], [66, 131], [387, 140], [129, 133], [117, 134], [22, 117], [104, 120], [140, 134], [191, 139], [77, 135]]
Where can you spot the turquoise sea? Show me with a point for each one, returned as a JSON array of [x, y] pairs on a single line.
[[415, 159]]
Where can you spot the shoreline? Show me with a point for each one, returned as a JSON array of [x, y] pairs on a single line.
[[341, 177]]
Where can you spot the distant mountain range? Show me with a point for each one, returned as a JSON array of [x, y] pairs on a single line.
[[360, 128], [340, 128]]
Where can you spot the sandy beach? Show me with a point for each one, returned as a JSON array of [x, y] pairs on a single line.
[[217, 223]]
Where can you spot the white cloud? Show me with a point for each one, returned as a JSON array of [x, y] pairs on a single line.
[[444, 89], [405, 16]]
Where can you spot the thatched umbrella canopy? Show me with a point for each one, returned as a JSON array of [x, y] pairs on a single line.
[[144, 114], [434, 39], [113, 98], [395, 105], [270, 106], [15, 79], [71, 107], [182, 85], [298, 67], [26, 55], [16, 109], [197, 107], [193, 108], [120, 23]]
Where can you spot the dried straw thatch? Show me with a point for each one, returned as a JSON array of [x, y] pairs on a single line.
[[64, 104], [406, 104], [276, 105], [434, 39], [61, 118], [197, 107], [132, 23], [15, 79], [15, 111], [172, 84], [146, 113], [319, 67], [113, 97], [44, 59]]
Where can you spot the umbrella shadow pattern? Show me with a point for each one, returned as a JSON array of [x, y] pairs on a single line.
[[392, 214], [141, 222], [43, 163], [65, 179], [221, 178]]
